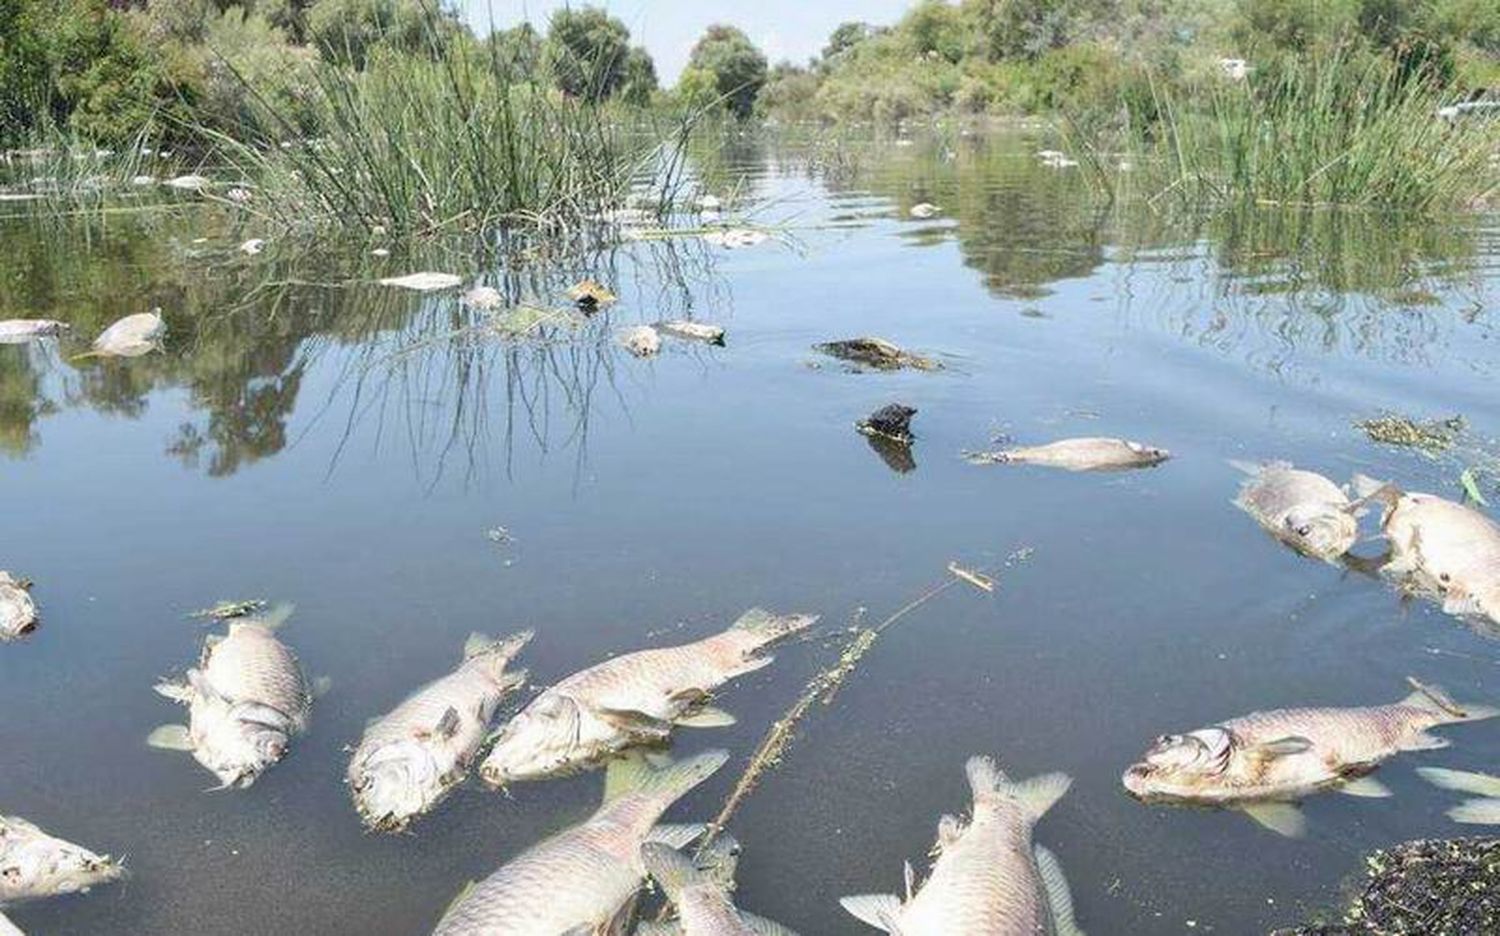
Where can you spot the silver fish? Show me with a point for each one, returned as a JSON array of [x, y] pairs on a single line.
[[132, 336], [246, 700], [700, 892], [1263, 762], [34, 864], [692, 331], [410, 758], [21, 331], [1482, 811], [1302, 509], [17, 610], [1086, 454], [1439, 548], [641, 340], [583, 880], [989, 879], [631, 700]]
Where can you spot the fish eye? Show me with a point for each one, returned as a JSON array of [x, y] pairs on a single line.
[[1304, 529]]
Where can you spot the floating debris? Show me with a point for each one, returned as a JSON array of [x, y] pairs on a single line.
[[1433, 436], [892, 422], [17, 611], [423, 282], [35, 865], [590, 295], [227, 610], [736, 238], [21, 331], [897, 455], [132, 336], [1469, 481], [692, 331], [484, 298], [877, 353], [1085, 454], [641, 340], [253, 246], [187, 183], [499, 535], [924, 210], [1302, 509], [978, 579]]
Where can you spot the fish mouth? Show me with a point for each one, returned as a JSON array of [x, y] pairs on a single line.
[[1135, 778]]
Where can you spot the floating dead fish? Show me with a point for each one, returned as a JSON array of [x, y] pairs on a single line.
[[187, 183], [583, 880], [892, 421], [641, 340], [21, 331], [423, 282], [410, 758], [17, 610], [1444, 550], [877, 353], [253, 246], [247, 700], [692, 331], [132, 336], [633, 699], [699, 890], [484, 298], [35, 865], [1263, 763], [924, 210], [736, 238], [590, 295], [988, 877], [1302, 509], [1087, 454], [1482, 811]]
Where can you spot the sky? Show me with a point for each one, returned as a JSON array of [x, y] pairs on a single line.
[[783, 29]]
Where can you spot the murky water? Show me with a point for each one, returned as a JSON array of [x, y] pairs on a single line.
[[310, 437]]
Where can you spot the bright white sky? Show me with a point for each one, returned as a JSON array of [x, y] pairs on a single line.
[[784, 29]]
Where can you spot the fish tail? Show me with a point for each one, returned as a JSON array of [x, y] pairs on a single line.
[[759, 628], [672, 869], [1035, 795], [1366, 490], [495, 653], [1464, 781], [1433, 699], [666, 784]]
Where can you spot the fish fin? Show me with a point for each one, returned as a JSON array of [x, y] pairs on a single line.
[[1435, 700], [1282, 818], [483, 645], [1279, 747], [634, 774], [1366, 488], [1464, 781], [706, 717], [447, 726], [878, 910], [640, 726], [673, 870], [321, 686], [1036, 795], [676, 834], [274, 618], [1245, 467], [751, 664], [1059, 897], [669, 928], [950, 830], [908, 879], [176, 690], [761, 926], [762, 628], [170, 738], [7, 928], [1460, 603], [1426, 742], [1476, 812], [1367, 787]]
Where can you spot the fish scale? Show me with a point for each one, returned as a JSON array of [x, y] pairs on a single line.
[[252, 665]]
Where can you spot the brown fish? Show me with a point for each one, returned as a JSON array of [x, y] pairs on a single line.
[[1086, 454], [1263, 762]]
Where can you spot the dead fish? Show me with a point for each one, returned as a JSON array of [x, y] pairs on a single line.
[[1087, 454], [1302, 509], [17, 610], [132, 336], [877, 353], [34, 864], [590, 295], [692, 331], [631, 700], [253, 246], [641, 340], [21, 331], [923, 210], [1264, 762], [735, 238], [582, 880], [1483, 811], [484, 298], [989, 879], [410, 758], [700, 892], [892, 421], [423, 282], [1442, 549], [187, 183], [246, 700]]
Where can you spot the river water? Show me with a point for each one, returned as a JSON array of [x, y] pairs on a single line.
[[310, 437]]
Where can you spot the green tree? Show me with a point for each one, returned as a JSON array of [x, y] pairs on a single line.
[[518, 52], [25, 72], [639, 81], [586, 52], [348, 31], [738, 67], [846, 36]]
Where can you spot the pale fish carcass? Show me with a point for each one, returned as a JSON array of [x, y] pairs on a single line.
[[17, 611], [22, 331], [410, 758], [989, 878], [1085, 454], [1265, 762], [132, 336], [700, 892], [247, 699], [641, 340], [630, 700], [584, 879], [1302, 509], [35, 865], [1441, 549]]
